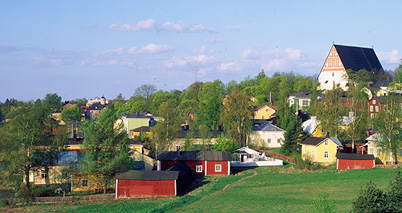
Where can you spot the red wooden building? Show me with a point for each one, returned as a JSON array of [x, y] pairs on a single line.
[[354, 161], [136, 183], [200, 162]]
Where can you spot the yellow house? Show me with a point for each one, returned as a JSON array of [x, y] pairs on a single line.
[[264, 111], [321, 150], [314, 127], [381, 154]]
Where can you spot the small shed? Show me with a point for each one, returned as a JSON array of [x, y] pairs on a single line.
[[354, 161], [171, 182]]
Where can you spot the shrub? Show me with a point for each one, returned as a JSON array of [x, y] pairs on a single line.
[[371, 199], [323, 205]]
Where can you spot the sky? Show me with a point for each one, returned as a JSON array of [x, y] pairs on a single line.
[[88, 49]]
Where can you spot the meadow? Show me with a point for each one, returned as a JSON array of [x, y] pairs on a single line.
[[274, 189]]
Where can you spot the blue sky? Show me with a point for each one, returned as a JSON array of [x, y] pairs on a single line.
[[86, 49]]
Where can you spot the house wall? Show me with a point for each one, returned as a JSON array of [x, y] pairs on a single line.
[[211, 167], [145, 188], [148, 161], [382, 155], [194, 141], [192, 164], [94, 182], [53, 173], [354, 164], [264, 111], [261, 137], [333, 72], [319, 153]]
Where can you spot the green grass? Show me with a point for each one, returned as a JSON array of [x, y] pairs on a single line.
[[277, 150], [272, 190]]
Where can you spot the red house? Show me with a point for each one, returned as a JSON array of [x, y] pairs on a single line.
[[136, 183], [354, 161], [200, 162]]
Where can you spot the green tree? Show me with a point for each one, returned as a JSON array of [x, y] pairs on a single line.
[[358, 102], [293, 136], [21, 138], [396, 84], [224, 143], [395, 192], [210, 107], [52, 101], [145, 91], [371, 199], [236, 116], [330, 111], [164, 132], [106, 147], [387, 124], [71, 114]]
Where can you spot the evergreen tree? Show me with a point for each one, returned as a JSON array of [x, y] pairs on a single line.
[[293, 136], [106, 147]]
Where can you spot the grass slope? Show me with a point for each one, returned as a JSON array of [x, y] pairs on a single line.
[[271, 190]]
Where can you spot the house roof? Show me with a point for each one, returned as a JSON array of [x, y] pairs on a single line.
[[301, 94], [270, 106], [267, 128], [142, 129], [357, 58], [381, 83], [246, 150], [195, 156], [317, 140], [310, 125], [140, 115], [96, 106], [148, 175], [181, 167], [351, 156]]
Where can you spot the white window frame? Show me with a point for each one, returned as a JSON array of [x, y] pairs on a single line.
[[371, 109], [269, 140], [305, 102], [326, 143], [218, 168], [312, 153], [198, 168], [374, 102], [379, 151], [262, 116], [305, 152], [377, 108], [370, 150], [326, 154]]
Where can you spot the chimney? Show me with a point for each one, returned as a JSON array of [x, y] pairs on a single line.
[[327, 135]]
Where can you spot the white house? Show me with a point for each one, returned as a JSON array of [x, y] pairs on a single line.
[[246, 157], [268, 135]]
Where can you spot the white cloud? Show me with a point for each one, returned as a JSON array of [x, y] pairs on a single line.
[[141, 25], [200, 50], [153, 49], [106, 63], [170, 26], [119, 51], [237, 27], [390, 57], [201, 28], [179, 61], [293, 53]]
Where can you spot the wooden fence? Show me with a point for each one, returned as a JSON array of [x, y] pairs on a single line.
[[279, 156], [67, 199]]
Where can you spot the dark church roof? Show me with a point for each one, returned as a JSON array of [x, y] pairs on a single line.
[[357, 58]]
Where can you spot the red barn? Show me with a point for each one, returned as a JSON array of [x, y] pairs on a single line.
[[200, 162], [354, 161], [136, 183]]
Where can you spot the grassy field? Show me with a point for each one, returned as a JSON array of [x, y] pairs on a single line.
[[271, 190]]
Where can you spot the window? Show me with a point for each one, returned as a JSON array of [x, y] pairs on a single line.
[[304, 102], [379, 151], [312, 153], [371, 108], [372, 115], [374, 101], [177, 147], [84, 183], [278, 141], [305, 152], [371, 151], [218, 168], [266, 109], [326, 154], [377, 108], [262, 117], [198, 168], [326, 143], [269, 140], [44, 174]]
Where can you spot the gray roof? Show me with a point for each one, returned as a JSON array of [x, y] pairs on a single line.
[[317, 140], [351, 156], [195, 156], [267, 127], [148, 175], [96, 106], [301, 94]]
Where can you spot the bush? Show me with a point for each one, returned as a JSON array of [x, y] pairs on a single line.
[[323, 205], [26, 193], [371, 199]]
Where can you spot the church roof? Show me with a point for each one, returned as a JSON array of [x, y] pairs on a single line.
[[357, 58]]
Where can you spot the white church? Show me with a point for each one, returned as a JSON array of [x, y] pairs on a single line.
[[342, 58]]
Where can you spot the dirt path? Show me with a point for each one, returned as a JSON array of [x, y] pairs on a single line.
[[212, 194]]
